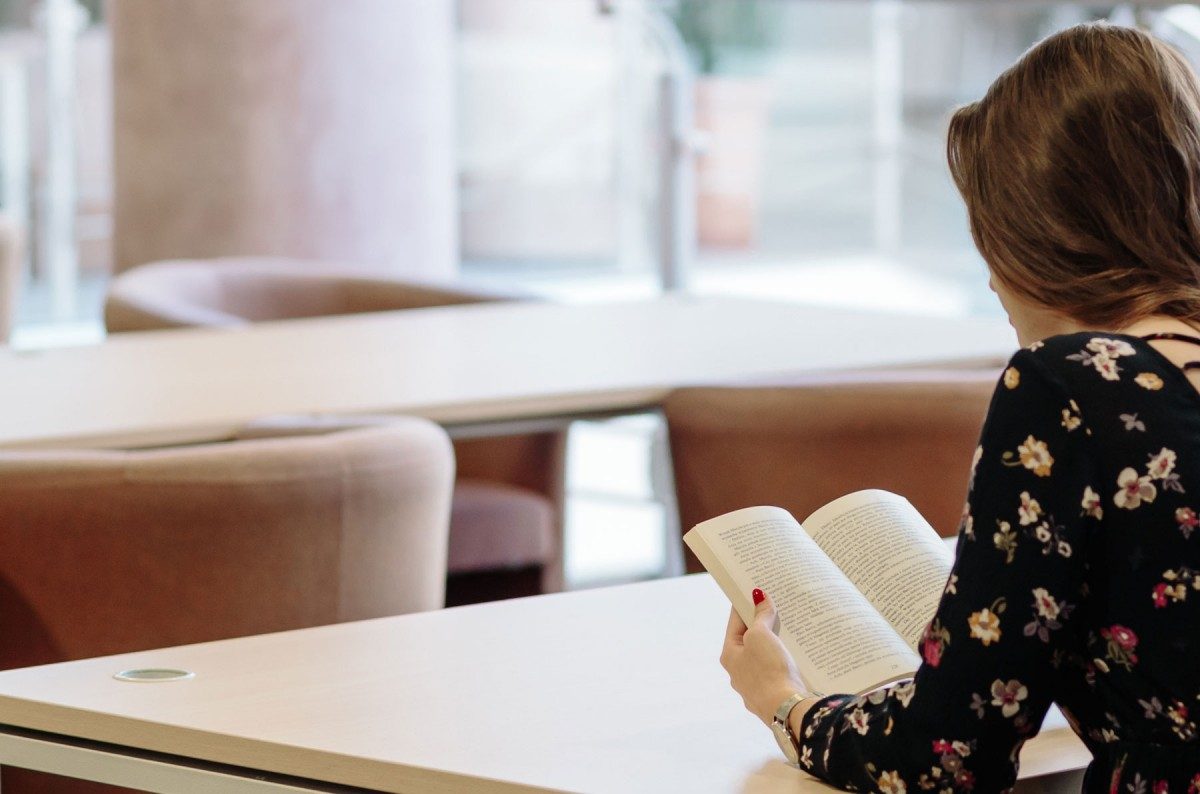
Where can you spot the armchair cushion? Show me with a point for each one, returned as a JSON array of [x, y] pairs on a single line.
[[496, 526], [803, 444], [235, 291]]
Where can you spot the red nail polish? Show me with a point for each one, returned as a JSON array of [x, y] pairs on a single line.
[[757, 595]]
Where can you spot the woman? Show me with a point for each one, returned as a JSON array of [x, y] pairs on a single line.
[[1077, 576]]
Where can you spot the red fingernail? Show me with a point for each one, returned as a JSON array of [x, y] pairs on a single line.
[[757, 595]]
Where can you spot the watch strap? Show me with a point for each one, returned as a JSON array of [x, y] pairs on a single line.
[[785, 708], [784, 737]]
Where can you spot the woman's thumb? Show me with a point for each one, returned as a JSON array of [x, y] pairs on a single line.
[[764, 608]]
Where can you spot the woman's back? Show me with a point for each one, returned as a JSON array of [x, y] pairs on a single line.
[[1076, 572], [1135, 675], [1075, 581]]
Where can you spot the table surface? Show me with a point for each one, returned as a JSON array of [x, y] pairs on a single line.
[[617, 689], [455, 365]]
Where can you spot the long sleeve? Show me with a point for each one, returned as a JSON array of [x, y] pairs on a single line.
[[1002, 625]]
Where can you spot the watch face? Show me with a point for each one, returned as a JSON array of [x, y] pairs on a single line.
[[786, 743]]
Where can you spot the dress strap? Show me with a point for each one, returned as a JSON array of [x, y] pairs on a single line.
[[1170, 336]]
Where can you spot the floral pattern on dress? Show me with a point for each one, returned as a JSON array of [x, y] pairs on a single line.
[[1122, 645], [1007, 696], [1029, 511], [1162, 467], [1072, 417], [950, 774], [1051, 536], [1005, 540], [985, 624], [1149, 380], [934, 642], [1187, 520], [1091, 504], [1173, 588], [1176, 714], [1033, 455], [1133, 489], [1077, 509], [1048, 615], [1102, 354], [1131, 422]]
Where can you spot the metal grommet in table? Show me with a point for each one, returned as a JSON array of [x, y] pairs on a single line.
[[154, 675]]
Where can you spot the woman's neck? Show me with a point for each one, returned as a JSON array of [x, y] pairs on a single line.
[[1178, 353], [1158, 324]]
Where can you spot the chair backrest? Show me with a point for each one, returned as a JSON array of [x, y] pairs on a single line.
[[234, 291], [534, 462], [108, 552], [802, 445]]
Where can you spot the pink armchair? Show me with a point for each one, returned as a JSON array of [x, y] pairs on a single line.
[[803, 443], [506, 526], [116, 551]]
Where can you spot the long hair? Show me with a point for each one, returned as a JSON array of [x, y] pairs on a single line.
[[1080, 169]]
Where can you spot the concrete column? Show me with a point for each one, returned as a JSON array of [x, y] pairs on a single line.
[[303, 128]]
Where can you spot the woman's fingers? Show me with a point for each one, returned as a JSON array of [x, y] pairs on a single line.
[[764, 613], [735, 628]]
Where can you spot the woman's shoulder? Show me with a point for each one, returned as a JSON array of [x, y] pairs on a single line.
[[1094, 342], [1086, 359], [1102, 371]]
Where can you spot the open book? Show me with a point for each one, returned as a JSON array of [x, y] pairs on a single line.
[[854, 587]]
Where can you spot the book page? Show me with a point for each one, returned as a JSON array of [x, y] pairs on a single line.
[[840, 643], [890, 553]]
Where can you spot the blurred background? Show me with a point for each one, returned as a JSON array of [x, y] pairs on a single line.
[[579, 149]]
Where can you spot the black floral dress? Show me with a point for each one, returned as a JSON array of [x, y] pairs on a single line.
[[1077, 580]]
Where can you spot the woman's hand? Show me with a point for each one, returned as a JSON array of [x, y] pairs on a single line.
[[760, 668]]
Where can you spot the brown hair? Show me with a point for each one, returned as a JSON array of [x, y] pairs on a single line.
[[1080, 169]]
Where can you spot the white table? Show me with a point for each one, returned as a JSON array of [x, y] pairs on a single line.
[[613, 690], [465, 365]]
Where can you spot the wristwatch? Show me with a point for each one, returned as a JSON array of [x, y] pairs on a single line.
[[783, 732]]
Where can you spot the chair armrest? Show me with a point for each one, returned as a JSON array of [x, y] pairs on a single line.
[[373, 293], [287, 425], [126, 314]]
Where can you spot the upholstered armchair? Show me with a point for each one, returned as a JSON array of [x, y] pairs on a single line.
[[501, 543], [799, 444], [105, 552], [506, 529], [232, 291]]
